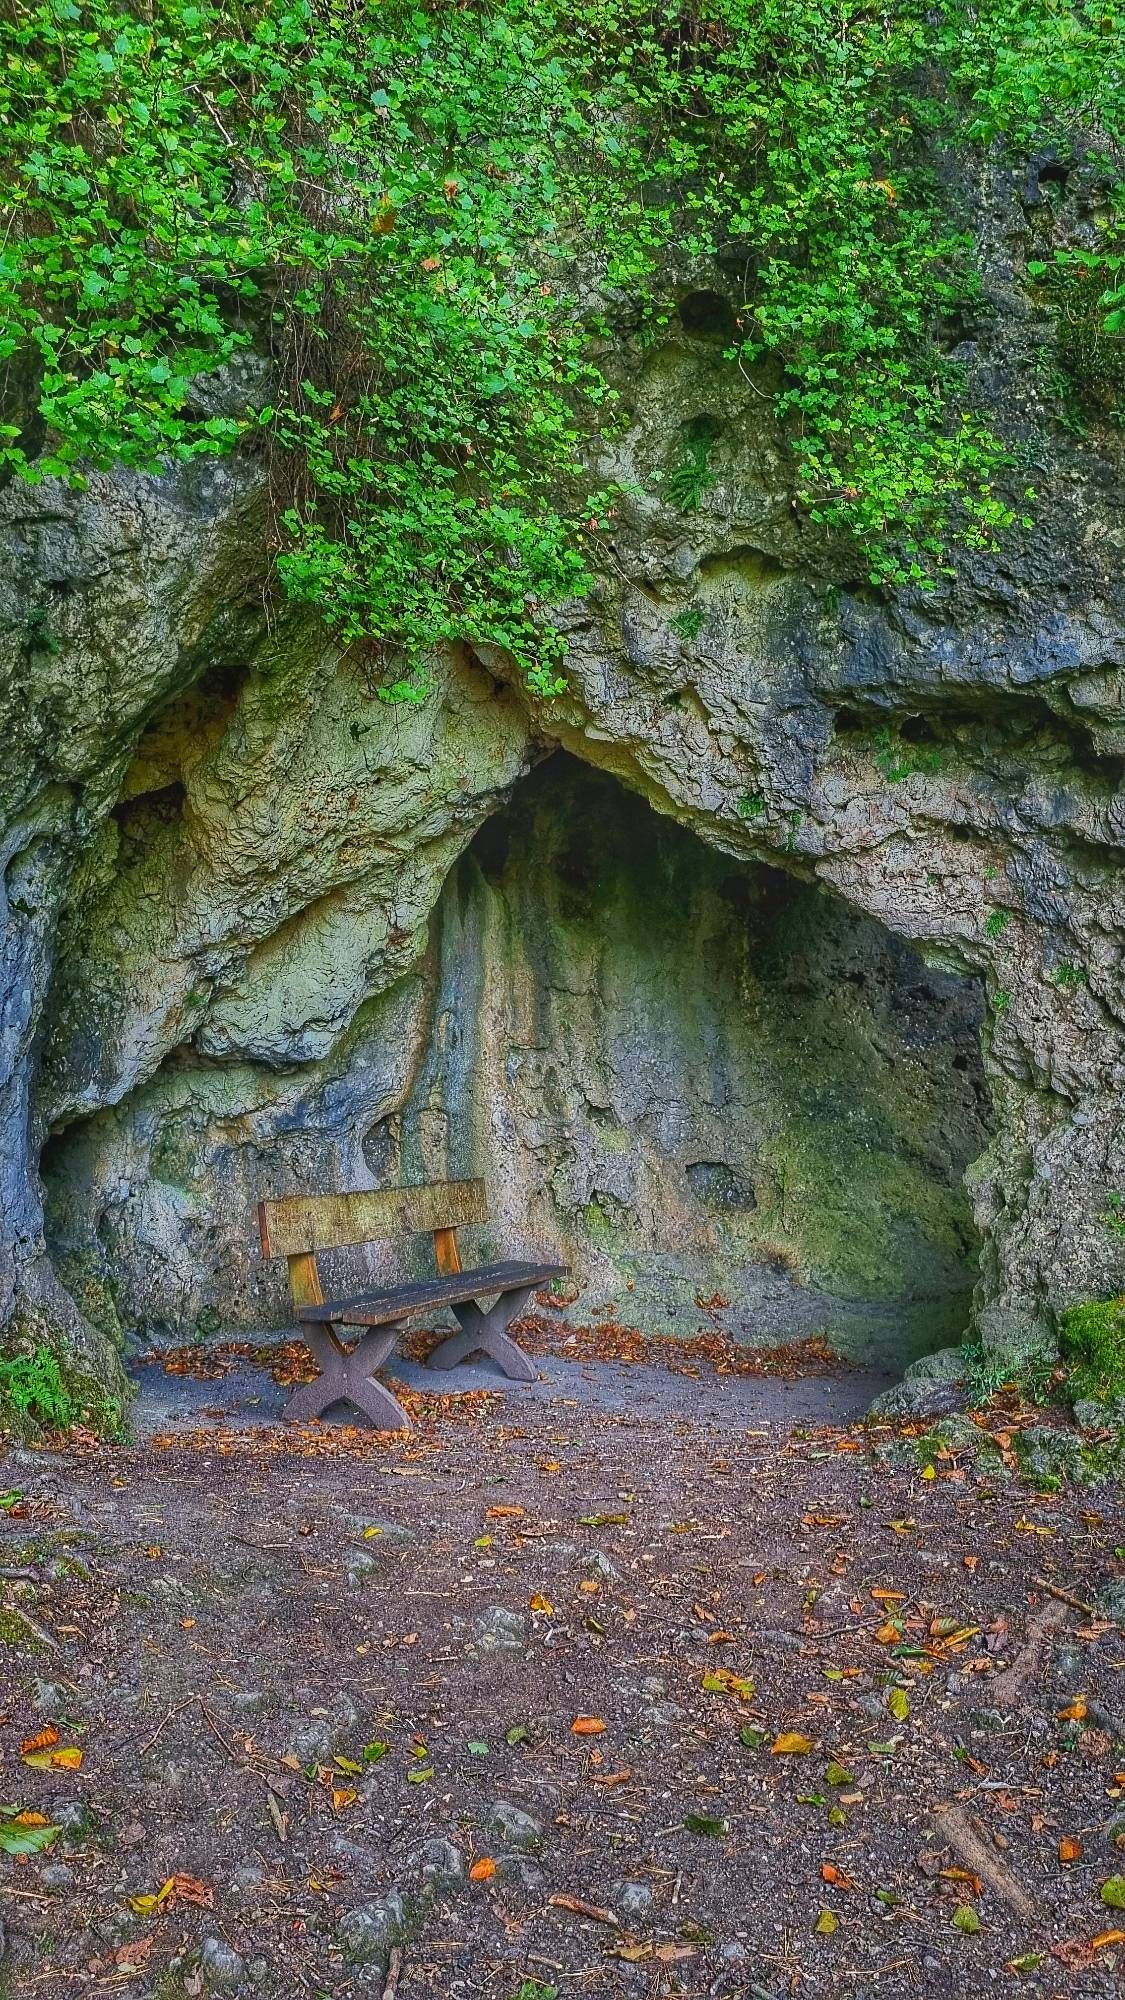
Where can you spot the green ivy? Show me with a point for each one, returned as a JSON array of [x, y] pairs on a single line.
[[379, 245]]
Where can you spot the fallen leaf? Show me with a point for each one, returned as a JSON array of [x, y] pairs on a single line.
[[542, 1604], [830, 1873], [18, 1836], [966, 1919], [1106, 1937], [42, 1741], [837, 1774], [1113, 1892], [721, 1680], [1075, 1712], [790, 1744], [504, 1513], [483, 1870], [826, 1924], [68, 1757], [898, 1701], [711, 1829], [587, 1725], [146, 1905], [344, 1796], [1070, 1848]]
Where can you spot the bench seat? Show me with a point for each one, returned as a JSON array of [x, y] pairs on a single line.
[[386, 1308]]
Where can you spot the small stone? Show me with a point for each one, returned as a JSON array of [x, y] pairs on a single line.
[[248, 1876], [664, 1714], [633, 1899], [513, 1827], [779, 1641], [50, 1699], [56, 1875], [318, 1736], [440, 1866], [249, 1701], [601, 1566], [258, 1971], [500, 1630], [1111, 1600], [222, 1967], [367, 1933]]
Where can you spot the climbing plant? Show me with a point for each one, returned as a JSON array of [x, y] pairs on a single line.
[[381, 244]]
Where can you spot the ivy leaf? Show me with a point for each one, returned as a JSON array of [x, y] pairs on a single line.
[[712, 1829]]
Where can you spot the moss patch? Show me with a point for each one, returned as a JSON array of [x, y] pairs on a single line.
[[1093, 1343]]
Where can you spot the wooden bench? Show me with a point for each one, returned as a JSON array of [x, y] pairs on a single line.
[[301, 1226]]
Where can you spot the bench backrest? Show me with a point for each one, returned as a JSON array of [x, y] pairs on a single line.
[[299, 1225]]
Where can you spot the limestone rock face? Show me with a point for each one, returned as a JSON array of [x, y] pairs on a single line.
[[262, 931]]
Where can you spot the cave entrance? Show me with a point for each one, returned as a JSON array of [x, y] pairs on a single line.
[[702, 1079]]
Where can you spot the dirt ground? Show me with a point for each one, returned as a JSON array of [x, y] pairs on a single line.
[[558, 1694]]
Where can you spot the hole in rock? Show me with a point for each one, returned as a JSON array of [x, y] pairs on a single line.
[[708, 315], [697, 1079], [700, 1080]]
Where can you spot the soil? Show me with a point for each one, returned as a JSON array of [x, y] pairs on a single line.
[[707, 1694]]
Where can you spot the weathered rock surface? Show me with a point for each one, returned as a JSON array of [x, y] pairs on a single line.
[[244, 948]]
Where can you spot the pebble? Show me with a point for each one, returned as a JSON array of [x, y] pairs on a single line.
[[56, 1875], [500, 1630], [515, 1827], [440, 1866], [600, 1565], [249, 1701], [248, 1876], [633, 1899], [368, 1932], [50, 1699], [222, 1967], [317, 1737]]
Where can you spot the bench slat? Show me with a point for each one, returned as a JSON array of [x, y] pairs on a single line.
[[380, 1308], [311, 1222]]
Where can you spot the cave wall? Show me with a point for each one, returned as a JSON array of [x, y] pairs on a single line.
[[222, 853], [692, 1076]]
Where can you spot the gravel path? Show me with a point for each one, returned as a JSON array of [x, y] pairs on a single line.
[[609, 1687]]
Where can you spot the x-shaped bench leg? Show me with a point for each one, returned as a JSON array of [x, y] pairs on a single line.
[[487, 1333], [346, 1376]]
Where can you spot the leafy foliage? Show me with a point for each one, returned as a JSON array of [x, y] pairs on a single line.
[[33, 1386], [375, 242]]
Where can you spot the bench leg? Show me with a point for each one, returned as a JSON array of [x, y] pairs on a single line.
[[487, 1333], [346, 1376]]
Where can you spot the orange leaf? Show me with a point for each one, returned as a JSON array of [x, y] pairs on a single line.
[[587, 1725], [1106, 1937], [888, 1635], [344, 1796], [483, 1870], [836, 1876], [1076, 1712], [43, 1741], [888, 1596], [790, 1744], [542, 1604], [504, 1514], [1070, 1848], [67, 1758]]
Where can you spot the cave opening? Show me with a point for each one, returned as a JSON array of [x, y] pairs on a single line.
[[701, 1079]]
